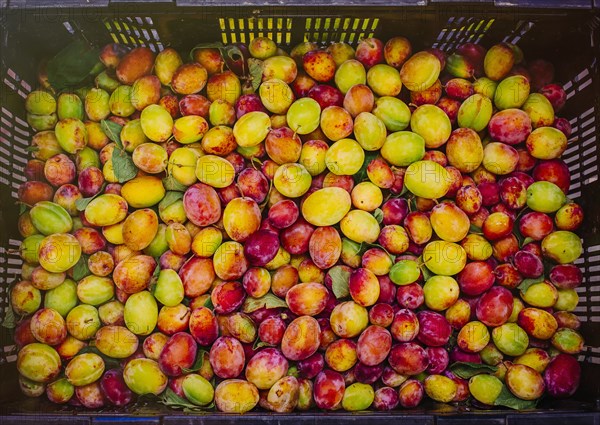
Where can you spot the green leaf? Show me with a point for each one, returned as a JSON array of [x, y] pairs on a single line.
[[518, 235], [32, 148], [507, 399], [112, 131], [10, 321], [234, 53], [451, 342], [475, 229], [170, 399], [108, 361], [208, 303], [170, 198], [154, 278], [231, 51], [259, 344], [362, 173], [526, 283], [402, 192], [427, 274], [266, 301], [82, 203], [123, 165], [227, 51], [366, 245], [339, 281], [293, 371], [548, 266], [22, 207], [256, 72], [528, 240], [81, 269], [197, 363], [378, 214], [170, 183], [72, 65], [200, 409], [412, 203], [265, 203], [466, 370]]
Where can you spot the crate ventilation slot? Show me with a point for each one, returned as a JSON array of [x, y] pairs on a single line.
[[593, 355], [460, 30], [134, 31], [244, 30], [10, 270], [582, 153], [10, 265], [14, 139], [589, 291], [522, 28], [16, 84], [580, 81], [347, 30], [69, 27]]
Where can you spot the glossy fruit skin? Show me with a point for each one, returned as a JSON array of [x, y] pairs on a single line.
[[485, 388], [143, 376], [329, 388], [482, 153], [562, 376], [236, 396], [38, 362], [179, 352]]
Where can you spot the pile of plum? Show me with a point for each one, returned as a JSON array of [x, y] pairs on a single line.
[[333, 228]]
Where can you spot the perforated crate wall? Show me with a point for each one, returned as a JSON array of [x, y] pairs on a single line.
[[459, 30], [244, 30], [339, 29], [15, 136], [134, 31], [141, 29]]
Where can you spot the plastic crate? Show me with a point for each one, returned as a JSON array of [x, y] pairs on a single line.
[[568, 34]]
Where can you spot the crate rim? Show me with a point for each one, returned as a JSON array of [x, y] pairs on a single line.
[[106, 8], [523, 5]]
